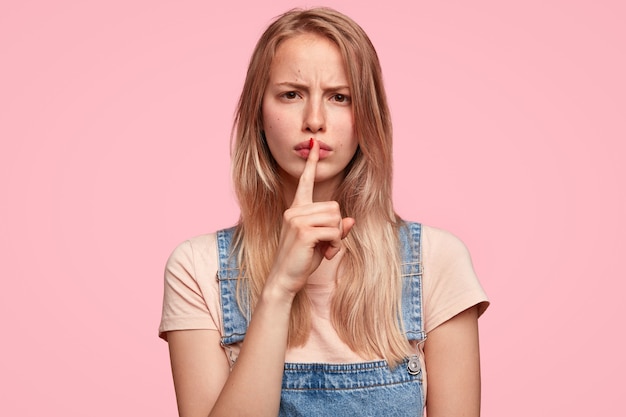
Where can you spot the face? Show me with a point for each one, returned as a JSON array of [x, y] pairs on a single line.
[[308, 97]]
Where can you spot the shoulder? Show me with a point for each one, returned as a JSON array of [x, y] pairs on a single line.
[[191, 296], [449, 280], [193, 263], [439, 245], [199, 243], [442, 247], [195, 250]]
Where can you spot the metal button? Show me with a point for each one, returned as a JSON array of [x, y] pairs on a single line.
[[414, 366]]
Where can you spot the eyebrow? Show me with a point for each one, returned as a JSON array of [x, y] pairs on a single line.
[[298, 86]]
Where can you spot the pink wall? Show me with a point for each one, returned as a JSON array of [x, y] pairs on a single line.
[[114, 122]]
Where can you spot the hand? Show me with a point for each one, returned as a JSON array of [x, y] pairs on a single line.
[[311, 232]]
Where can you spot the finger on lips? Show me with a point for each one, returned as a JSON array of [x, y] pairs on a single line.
[[329, 209], [304, 192]]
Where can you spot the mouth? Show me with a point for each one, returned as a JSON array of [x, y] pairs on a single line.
[[302, 149], [305, 145]]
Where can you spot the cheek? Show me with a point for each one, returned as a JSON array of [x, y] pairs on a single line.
[[277, 124], [344, 121], [267, 114], [271, 119]]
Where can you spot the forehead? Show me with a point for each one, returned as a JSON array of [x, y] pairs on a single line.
[[307, 53]]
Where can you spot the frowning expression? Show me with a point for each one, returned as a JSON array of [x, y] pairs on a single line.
[[308, 96]]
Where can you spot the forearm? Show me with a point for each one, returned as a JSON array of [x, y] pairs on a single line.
[[310, 233], [253, 387]]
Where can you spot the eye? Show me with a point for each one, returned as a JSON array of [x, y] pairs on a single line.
[[341, 98], [290, 95]]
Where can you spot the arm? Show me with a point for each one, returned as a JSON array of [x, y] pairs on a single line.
[[199, 368], [202, 379], [204, 385], [453, 366]]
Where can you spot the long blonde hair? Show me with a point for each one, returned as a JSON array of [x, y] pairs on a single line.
[[365, 308]]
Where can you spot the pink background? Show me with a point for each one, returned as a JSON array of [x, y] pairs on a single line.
[[115, 118]]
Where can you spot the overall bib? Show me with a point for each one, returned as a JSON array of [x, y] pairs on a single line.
[[352, 389]]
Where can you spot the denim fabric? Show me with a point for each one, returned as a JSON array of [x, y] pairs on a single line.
[[234, 320], [363, 389]]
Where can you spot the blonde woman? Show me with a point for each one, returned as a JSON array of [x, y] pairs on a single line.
[[321, 301]]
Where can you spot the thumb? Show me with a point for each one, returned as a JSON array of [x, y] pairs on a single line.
[[346, 225], [330, 249]]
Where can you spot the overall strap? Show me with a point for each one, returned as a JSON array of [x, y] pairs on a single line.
[[234, 320], [412, 271]]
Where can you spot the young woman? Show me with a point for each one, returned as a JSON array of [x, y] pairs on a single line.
[[321, 301]]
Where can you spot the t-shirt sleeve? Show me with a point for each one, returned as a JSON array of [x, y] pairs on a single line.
[[187, 290], [450, 283]]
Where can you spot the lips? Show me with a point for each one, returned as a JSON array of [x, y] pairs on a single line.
[[302, 149], [305, 145]]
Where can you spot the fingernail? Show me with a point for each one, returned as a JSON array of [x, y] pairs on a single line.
[[311, 143]]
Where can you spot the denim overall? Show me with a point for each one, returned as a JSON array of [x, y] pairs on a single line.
[[353, 389]]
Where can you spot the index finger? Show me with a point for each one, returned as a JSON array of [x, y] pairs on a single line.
[[304, 192]]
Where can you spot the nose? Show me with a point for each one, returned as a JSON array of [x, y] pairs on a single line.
[[314, 117]]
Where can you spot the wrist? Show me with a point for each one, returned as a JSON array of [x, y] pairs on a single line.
[[276, 294]]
